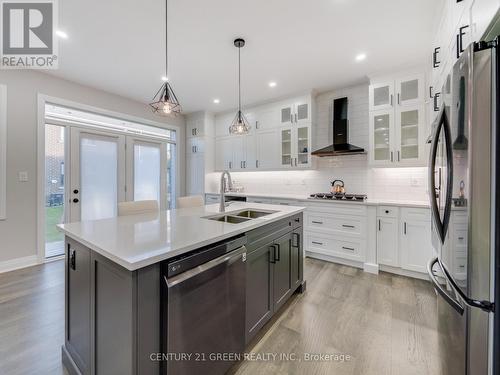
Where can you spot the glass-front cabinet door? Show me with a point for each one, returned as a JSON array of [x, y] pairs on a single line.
[[409, 125], [381, 95], [286, 147], [410, 90], [381, 137], [303, 146]]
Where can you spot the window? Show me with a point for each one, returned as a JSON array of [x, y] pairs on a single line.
[[3, 151]]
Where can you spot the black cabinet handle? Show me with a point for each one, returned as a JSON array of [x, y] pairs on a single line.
[[460, 41], [272, 258], [379, 225], [296, 236], [75, 200], [348, 226], [317, 222], [277, 258], [435, 61], [348, 248], [430, 92], [75, 191], [405, 227], [436, 97], [72, 258], [317, 243]]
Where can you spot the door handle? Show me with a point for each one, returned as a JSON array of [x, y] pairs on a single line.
[[436, 97], [297, 238], [348, 248], [405, 228], [348, 226], [399, 155], [430, 92], [379, 225], [391, 100], [256, 164], [317, 243], [435, 61], [278, 252], [317, 222], [398, 98], [439, 289], [392, 156]]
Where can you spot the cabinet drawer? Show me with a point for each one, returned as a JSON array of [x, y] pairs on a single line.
[[338, 247], [352, 208], [459, 217], [338, 224], [460, 237], [285, 202], [460, 265], [387, 211]]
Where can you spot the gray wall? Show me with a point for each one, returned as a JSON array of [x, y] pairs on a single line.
[[18, 234]]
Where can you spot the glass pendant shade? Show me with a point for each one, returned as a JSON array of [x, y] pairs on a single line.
[[240, 124], [165, 102]]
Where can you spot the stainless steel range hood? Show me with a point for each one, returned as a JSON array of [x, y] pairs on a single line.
[[341, 145]]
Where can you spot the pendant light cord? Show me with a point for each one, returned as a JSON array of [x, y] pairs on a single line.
[[239, 79], [166, 40]]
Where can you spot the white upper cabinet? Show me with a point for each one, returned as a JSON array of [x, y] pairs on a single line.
[[279, 138], [267, 149], [397, 126], [195, 127], [482, 12], [410, 90], [381, 95]]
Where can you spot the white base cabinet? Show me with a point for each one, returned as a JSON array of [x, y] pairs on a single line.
[[387, 241], [415, 239]]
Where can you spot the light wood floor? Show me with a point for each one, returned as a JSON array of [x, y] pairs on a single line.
[[385, 323]]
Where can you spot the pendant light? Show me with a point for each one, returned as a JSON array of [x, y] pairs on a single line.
[[165, 102], [240, 124]]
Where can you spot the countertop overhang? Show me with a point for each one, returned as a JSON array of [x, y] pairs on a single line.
[[137, 241]]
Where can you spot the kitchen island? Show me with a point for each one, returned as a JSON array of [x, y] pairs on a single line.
[[123, 314]]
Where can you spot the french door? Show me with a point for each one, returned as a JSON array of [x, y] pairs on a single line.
[[97, 170], [107, 168]]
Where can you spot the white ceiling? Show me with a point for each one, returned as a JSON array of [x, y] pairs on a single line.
[[118, 45]]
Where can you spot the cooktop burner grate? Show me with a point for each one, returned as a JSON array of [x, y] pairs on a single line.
[[339, 197]]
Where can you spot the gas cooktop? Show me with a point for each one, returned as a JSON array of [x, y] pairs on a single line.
[[339, 197]]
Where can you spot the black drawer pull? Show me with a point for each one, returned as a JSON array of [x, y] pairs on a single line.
[[348, 248], [348, 226], [317, 222], [317, 243], [460, 238]]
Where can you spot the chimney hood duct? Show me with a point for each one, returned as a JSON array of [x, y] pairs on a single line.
[[341, 145]]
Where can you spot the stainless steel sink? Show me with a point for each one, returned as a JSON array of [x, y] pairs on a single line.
[[229, 219], [254, 214]]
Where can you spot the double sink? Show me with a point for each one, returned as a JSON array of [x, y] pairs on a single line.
[[238, 217]]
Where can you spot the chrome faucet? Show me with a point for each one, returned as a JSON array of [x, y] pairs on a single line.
[[222, 205]]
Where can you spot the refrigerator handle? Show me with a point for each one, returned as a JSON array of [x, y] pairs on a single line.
[[486, 306], [439, 289], [441, 226]]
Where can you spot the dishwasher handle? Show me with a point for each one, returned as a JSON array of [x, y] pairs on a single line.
[[228, 258]]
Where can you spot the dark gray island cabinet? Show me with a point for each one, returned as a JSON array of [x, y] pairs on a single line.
[[114, 315]]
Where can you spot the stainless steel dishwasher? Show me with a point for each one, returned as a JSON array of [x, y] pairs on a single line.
[[203, 309]]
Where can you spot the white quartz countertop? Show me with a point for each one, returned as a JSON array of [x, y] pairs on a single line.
[[305, 198], [138, 241]]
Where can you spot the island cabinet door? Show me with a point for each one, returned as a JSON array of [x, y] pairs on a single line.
[[282, 249], [78, 305], [259, 297]]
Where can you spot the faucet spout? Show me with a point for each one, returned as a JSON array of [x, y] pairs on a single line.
[[223, 187]]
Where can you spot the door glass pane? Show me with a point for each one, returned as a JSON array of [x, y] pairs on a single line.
[[171, 195], [381, 137], [98, 177], [54, 189], [381, 96], [409, 90], [302, 111], [286, 114], [146, 172], [409, 134], [286, 147], [302, 145]]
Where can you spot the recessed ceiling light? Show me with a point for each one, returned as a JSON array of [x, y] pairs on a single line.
[[61, 34], [216, 101], [164, 79], [361, 57], [272, 84]]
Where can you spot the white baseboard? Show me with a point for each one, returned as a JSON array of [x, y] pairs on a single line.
[[345, 262], [17, 263], [371, 268], [403, 272]]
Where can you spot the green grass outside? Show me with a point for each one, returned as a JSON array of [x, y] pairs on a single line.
[[53, 216]]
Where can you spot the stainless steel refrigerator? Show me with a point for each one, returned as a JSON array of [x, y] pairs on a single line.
[[463, 166]]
